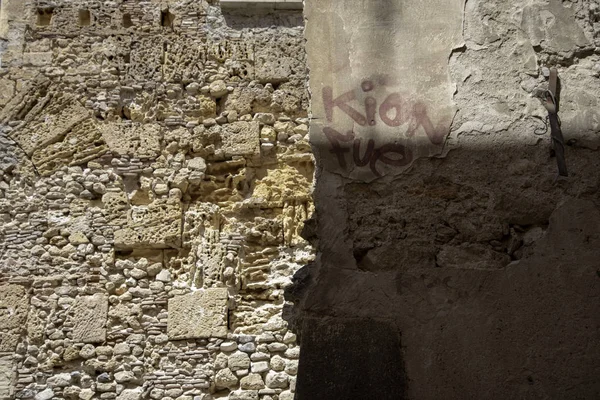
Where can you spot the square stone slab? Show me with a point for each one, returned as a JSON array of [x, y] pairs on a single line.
[[89, 318], [201, 314]]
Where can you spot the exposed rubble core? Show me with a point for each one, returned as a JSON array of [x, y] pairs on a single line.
[[155, 174]]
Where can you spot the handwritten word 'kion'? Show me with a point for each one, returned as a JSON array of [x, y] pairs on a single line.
[[393, 111]]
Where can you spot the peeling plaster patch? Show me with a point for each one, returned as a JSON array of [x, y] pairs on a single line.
[[382, 95]]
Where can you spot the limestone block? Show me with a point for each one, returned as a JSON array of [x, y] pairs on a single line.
[[115, 208], [6, 376], [146, 59], [218, 89], [238, 361], [562, 36], [37, 59], [184, 61], [275, 380], [283, 184], [49, 122], [81, 144], [130, 394], [280, 59], [7, 90], [135, 140], [252, 382], [225, 379], [241, 138], [13, 315], [89, 315], [201, 314], [157, 225], [47, 394]]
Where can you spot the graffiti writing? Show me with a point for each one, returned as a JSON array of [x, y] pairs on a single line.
[[390, 154], [394, 111]]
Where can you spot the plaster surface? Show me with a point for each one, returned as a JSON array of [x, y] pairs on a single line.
[[480, 259]]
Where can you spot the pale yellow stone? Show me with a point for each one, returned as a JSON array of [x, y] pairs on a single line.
[[201, 314]]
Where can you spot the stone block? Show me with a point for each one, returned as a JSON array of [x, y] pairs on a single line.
[[49, 124], [241, 138], [135, 140], [201, 314], [7, 90], [89, 318], [243, 395], [13, 315], [130, 394], [6, 376], [83, 142], [277, 60], [157, 225]]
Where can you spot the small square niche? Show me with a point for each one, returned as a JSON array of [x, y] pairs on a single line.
[[127, 22], [85, 18], [44, 16], [167, 18]]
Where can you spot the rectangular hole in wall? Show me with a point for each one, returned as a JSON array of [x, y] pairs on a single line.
[[44, 16], [85, 18], [127, 22], [166, 18]]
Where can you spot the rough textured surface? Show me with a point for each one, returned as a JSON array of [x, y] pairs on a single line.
[[89, 318], [484, 262], [155, 174], [198, 315], [363, 360], [6, 376], [373, 107]]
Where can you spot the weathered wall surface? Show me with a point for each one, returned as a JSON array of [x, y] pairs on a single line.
[[460, 247], [155, 174]]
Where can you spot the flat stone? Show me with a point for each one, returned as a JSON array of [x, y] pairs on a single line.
[[201, 314], [89, 318], [238, 361], [228, 346], [44, 395]]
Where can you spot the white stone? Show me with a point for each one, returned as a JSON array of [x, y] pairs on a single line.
[[130, 394], [228, 346], [44, 395], [260, 367], [164, 276], [277, 380], [225, 379], [238, 360]]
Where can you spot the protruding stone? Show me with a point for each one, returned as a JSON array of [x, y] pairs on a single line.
[[225, 379], [238, 361]]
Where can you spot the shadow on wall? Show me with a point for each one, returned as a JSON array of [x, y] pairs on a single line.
[[245, 18], [478, 272]]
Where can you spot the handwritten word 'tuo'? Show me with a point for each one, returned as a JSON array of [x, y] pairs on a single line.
[[393, 111], [391, 154]]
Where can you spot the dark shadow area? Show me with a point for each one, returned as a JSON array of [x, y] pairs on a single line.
[[484, 263], [362, 359], [262, 18]]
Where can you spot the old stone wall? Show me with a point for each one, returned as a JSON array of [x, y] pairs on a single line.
[[155, 174], [453, 262]]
